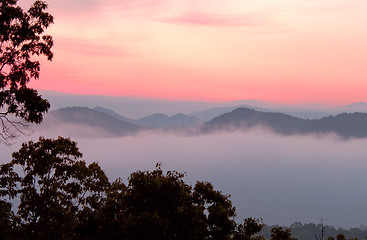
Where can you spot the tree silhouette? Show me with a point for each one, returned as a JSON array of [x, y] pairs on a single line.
[[21, 38], [55, 188], [61, 197], [249, 229], [278, 233], [5, 220]]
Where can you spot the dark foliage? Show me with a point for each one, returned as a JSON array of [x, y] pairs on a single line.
[[278, 233], [62, 197], [56, 190], [311, 231], [21, 37], [249, 230], [5, 219]]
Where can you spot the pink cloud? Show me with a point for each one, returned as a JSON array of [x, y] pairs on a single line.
[[224, 20], [71, 7], [315, 6], [88, 48]]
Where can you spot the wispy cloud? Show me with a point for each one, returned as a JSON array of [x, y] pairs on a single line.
[[95, 6], [314, 6], [224, 20], [88, 48]]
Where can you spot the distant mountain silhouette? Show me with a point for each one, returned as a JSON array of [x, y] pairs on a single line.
[[307, 115], [104, 122], [209, 114], [114, 114], [354, 107], [159, 120], [84, 116], [357, 104], [346, 124]]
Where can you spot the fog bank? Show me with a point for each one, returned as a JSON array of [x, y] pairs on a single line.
[[279, 178]]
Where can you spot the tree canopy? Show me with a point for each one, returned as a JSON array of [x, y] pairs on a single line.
[[62, 197], [278, 233], [21, 38], [54, 188]]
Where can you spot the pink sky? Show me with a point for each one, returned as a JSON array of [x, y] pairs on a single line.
[[288, 51]]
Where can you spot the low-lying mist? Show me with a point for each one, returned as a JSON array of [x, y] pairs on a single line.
[[279, 178]]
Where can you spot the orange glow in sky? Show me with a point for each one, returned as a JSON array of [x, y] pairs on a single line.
[[271, 50]]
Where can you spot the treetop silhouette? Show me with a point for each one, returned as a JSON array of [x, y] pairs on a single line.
[[22, 38]]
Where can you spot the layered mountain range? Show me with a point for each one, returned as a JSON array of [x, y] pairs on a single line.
[[346, 125]]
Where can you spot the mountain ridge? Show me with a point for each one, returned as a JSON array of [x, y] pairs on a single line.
[[84, 116], [159, 120], [346, 125]]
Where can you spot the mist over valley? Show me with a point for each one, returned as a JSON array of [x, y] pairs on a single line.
[[280, 176], [99, 121]]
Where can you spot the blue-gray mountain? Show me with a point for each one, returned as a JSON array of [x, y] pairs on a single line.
[[346, 125], [299, 112], [209, 114], [157, 120], [83, 116], [113, 114], [84, 121]]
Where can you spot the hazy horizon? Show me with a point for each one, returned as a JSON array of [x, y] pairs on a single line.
[[134, 107]]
